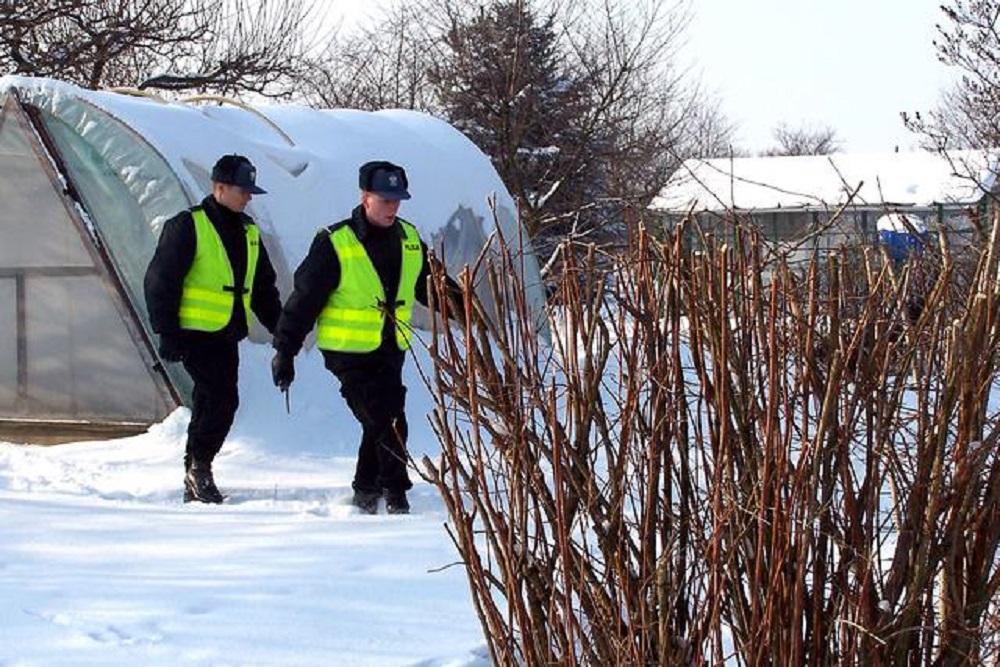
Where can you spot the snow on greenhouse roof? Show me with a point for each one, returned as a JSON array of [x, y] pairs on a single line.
[[912, 179], [307, 159]]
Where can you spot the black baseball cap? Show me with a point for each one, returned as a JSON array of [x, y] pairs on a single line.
[[239, 171], [385, 179]]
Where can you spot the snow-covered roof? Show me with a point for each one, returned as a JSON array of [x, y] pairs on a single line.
[[132, 161], [307, 159], [906, 179]]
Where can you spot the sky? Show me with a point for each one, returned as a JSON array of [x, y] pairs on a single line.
[[851, 65], [101, 563]]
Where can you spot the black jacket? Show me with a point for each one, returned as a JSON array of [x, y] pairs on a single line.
[[319, 274], [173, 258]]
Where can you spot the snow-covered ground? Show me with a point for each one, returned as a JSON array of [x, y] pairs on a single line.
[[101, 563]]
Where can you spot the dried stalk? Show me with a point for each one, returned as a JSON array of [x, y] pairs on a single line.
[[719, 459]]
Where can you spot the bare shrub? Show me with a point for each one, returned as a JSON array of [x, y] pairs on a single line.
[[715, 463]]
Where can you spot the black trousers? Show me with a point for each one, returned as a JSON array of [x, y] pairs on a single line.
[[372, 386], [213, 364]]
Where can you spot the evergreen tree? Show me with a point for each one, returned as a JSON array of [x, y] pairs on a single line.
[[503, 83]]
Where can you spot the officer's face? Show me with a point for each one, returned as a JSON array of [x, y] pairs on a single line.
[[380, 212], [232, 197]]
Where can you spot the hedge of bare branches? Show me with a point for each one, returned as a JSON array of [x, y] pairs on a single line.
[[714, 461]]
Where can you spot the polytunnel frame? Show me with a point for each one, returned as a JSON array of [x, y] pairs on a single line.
[[49, 151], [52, 118]]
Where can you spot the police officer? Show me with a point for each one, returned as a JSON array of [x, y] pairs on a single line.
[[209, 271], [359, 282]]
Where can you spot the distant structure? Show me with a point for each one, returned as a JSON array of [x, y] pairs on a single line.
[[833, 199]]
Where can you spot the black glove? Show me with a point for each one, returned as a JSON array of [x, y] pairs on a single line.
[[283, 370], [172, 347]]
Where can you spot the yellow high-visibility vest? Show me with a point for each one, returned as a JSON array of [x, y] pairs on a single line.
[[355, 313], [208, 294]]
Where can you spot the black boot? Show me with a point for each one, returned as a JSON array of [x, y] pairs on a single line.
[[366, 501], [396, 502], [200, 485]]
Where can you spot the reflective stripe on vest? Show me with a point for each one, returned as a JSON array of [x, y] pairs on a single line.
[[208, 292], [354, 315]]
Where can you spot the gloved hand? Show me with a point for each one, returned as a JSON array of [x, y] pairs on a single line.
[[172, 347], [283, 370]]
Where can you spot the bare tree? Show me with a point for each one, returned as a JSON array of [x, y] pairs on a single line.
[[968, 115], [379, 65], [579, 104], [653, 114], [226, 47], [709, 133], [804, 141]]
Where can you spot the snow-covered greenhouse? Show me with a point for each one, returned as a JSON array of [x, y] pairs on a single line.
[[88, 178]]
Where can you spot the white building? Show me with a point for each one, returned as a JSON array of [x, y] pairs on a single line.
[[844, 194]]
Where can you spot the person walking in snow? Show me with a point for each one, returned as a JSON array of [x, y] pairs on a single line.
[[359, 281], [209, 271]]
